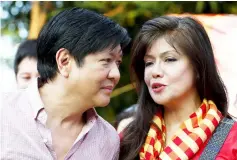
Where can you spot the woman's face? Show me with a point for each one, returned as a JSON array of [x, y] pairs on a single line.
[[168, 74]]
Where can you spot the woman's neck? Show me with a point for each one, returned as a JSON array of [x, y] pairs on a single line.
[[176, 113]]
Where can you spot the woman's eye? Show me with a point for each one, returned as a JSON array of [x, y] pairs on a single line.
[[148, 64], [170, 59]]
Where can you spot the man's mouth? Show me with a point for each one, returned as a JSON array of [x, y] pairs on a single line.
[[108, 89]]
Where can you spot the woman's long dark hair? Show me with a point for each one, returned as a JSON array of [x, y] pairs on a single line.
[[188, 36]]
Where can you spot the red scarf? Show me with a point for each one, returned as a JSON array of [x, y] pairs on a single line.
[[187, 140]]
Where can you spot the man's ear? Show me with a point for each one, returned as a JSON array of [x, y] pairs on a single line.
[[63, 59]]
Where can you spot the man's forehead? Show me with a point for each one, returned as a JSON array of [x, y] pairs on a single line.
[[116, 50]]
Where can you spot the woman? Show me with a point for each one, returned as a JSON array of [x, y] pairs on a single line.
[[182, 100]]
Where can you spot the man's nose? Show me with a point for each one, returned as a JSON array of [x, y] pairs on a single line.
[[114, 73]]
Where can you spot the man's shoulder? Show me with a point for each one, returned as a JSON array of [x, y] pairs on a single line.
[[106, 125], [108, 138], [12, 100], [107, 128], [13, 96]]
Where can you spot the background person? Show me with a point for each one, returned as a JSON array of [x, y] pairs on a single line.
[[25, 63]]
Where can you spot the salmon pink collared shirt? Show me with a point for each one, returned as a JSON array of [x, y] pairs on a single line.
[[24, 135]]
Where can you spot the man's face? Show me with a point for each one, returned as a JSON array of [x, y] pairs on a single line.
[[27, 71], [95, 80]]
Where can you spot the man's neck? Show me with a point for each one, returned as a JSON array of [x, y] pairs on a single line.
[[63, 110]]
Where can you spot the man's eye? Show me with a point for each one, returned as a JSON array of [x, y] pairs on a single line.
[[148, 64], [26, 78], [118, 63], [107, 60]]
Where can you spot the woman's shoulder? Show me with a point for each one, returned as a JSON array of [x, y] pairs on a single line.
[[229, 147], [232, 136]]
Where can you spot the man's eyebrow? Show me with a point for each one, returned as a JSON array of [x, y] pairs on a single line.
[[24, 73], [112, 53]]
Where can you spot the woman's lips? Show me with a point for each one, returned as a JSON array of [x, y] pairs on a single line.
[[158, 87], [158, 90]]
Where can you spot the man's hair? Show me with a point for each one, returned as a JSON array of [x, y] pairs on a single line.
[[81, 32], [27, 49]]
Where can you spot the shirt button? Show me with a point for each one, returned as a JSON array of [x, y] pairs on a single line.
[[45, 140]]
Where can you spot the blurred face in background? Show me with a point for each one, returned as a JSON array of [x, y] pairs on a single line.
[[27, 71]]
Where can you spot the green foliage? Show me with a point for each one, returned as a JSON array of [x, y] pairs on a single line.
[[130, 15]]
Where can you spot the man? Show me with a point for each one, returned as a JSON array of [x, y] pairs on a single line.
[[79, 52], [25, 63]]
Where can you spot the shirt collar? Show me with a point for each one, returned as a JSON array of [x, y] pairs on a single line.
[[91, 113], [34, 98]]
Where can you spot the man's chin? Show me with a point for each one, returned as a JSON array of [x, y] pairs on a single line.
[[104, 103], [102, 100]]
